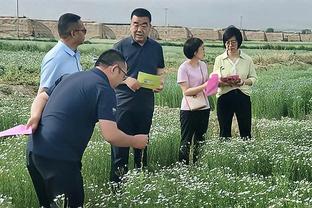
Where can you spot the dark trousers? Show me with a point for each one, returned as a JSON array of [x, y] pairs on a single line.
[[132, 123], [194, 124], [55, 177], [236, 102]]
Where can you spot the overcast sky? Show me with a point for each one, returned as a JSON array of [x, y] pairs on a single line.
[[251, 14]]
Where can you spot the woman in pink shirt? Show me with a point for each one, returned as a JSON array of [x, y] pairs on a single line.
[[192, 78]]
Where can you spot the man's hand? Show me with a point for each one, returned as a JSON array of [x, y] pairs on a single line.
[[33, 122], [140, 141], [160, 72], [160, 88], [132, 83]]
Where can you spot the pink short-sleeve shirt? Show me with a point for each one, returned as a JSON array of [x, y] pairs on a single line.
[[193, 77]]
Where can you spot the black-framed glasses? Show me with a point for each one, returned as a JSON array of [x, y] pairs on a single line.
[[120, 69], [123, 71], [82, 30]]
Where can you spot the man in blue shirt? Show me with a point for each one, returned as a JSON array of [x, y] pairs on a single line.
[[135, 105], [63, 58], [63, 118]]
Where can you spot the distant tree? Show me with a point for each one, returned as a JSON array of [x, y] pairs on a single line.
[[270, 29], [306, 31]]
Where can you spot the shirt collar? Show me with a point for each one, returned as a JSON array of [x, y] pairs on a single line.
[[134, 42], [241, 55], [68, 49], [100, 73]]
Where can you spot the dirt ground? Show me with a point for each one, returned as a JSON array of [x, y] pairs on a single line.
[[18, 90]]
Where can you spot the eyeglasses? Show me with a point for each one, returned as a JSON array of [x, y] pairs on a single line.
[[120, 69], [232, 42], [82, 30], [123, 71]]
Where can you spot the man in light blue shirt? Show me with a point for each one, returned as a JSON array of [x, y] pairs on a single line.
[[63, 58]]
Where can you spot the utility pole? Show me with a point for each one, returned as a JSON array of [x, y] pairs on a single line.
[[166, 23], [166, 15], [17, 19], [241, 22]]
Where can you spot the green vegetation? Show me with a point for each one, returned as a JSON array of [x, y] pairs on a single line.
[[20, 65], [281, 91], [272, 170]]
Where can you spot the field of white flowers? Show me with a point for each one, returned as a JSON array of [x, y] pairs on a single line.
[[274, 169]]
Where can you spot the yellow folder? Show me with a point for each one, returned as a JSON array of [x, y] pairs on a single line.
[[149, 81]]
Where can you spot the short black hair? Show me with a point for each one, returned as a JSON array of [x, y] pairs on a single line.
[[66, 23], [231, 31], [110, 57], [191, 45], [141, 12]]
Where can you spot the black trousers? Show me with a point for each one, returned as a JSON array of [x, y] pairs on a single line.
[[194, 124], [236, 102], [55, 177], [132, 123]]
